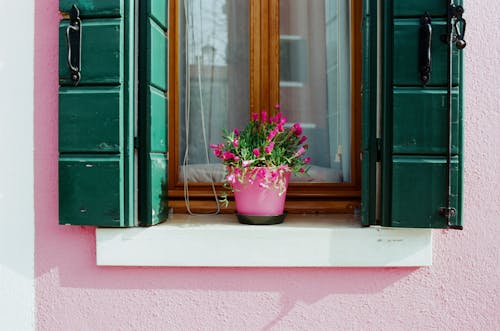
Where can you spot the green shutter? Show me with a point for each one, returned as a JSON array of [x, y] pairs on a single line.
[[414, 159], [153, 112], [96, 117]]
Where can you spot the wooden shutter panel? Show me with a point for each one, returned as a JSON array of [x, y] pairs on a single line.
[[153, 112], [414, 122], [96, 117]]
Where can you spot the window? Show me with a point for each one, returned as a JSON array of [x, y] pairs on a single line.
[[230, 58], [116, 168]]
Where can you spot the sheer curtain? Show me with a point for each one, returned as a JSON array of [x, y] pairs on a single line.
[[315, 82], [214, 84]]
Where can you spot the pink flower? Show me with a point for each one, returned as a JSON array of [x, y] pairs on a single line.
[[297, 129], [302, 170], [237, 171], [246, 163], [236, 132], [235, 142], [307, 160], [269, 148], [236, 158], [264, 116], [300, 151], [228, 155], [255, 116], [281, 124], [272, 134], [217, 152], [276, 119], [274, 174], [302, 140], [277, 106], [261, 173], [256, 152], [214, 146]]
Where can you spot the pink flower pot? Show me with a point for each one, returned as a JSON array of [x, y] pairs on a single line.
[[261, 195]]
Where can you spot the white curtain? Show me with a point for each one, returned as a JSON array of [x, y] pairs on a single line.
[[315, 81], [214, 85]]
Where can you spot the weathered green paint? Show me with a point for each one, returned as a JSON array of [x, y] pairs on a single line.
[[419, 189], [91, 190], [405, 54], [157, 166], [102, 52], [420, 119], [94, 8], [157, 104], [153, 113], [96, 119], [90, 119]]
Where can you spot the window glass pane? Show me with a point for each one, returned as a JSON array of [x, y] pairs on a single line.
[[214, 80], [315, 82]]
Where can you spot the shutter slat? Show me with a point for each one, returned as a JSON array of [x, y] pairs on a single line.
[[157, 104], [90, 119], [405, 54], [416, 8], [101, 52], [419, 121], [419, 189], [158, 11], [157, 56], [91, 190], [94, 8]]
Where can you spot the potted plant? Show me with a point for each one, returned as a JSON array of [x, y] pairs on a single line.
[[259, 161]]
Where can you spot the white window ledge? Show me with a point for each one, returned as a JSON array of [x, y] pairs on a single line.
[[301, 241]]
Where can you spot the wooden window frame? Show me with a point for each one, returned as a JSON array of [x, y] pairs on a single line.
[[264, 94]]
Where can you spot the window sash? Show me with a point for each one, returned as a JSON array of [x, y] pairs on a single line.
[[264, 94]]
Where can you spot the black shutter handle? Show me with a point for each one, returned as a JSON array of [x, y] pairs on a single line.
[[73, 41], [425, 43]]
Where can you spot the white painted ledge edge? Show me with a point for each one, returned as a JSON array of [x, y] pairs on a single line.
[[301, 241]]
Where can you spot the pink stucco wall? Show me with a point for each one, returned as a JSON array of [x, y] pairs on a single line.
[[460, 290]]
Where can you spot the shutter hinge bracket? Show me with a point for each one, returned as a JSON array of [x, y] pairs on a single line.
[[449, 213]]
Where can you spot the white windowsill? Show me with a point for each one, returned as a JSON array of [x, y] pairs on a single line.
[[301, 241]]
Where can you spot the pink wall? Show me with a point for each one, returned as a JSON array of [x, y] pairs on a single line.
[[460, 291]]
